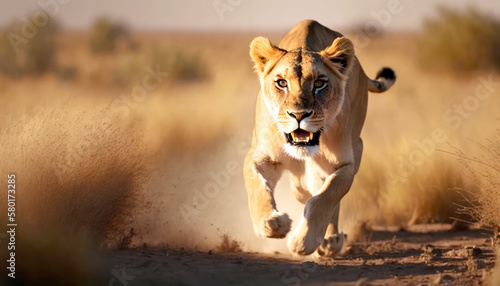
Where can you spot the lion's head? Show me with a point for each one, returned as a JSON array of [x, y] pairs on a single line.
[[303, 90]]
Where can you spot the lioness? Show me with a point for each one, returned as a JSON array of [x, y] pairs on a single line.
[[310, 111]]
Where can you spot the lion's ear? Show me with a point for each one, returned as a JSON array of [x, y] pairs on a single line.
[[262, 51], [341, 54]]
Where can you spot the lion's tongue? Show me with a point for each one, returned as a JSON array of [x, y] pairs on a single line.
[[301, 136]]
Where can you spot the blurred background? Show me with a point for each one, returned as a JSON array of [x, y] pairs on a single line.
[[126, 123]]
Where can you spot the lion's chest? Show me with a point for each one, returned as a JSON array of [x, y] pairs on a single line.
[[313, 175]]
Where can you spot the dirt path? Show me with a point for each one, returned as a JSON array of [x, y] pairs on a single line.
[[421, 255]]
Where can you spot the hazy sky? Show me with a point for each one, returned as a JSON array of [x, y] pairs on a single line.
[[226, 15]]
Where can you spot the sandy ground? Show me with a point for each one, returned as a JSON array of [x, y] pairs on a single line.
[[433, 254]]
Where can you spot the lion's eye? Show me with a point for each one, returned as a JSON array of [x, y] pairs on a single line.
[[282, 83], [319, 84]]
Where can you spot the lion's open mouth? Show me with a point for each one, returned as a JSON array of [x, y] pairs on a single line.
[[301, 137]]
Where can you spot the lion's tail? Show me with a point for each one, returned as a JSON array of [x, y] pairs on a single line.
[[384, 80]]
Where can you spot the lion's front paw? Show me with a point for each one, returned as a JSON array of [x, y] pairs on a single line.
[[303, 240], [330, 245], [276, 225]]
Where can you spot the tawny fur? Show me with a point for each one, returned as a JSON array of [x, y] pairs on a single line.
[[320, 176]]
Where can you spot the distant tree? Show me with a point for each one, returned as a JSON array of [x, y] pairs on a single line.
[[105, 34], [28, 46]]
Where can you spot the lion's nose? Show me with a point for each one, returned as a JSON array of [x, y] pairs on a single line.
[[300, 115]]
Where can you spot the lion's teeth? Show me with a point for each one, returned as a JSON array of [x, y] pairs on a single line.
[[299, 137], [310, 136]]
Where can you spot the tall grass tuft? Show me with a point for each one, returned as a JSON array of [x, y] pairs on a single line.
[[78, 177], [485, 203], [486, 172], [424, 196], [79, 169], [460, 41]]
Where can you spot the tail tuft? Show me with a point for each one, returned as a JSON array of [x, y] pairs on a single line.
[[384, 80], [386, 73]]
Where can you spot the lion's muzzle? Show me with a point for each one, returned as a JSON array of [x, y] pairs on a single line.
[[300, 136]]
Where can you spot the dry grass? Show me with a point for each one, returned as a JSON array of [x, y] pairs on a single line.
[[404, 176], [77, 171], [82, 175], [485, 169], [84, 168], [76, 183], [181, 66], [460, 41]]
